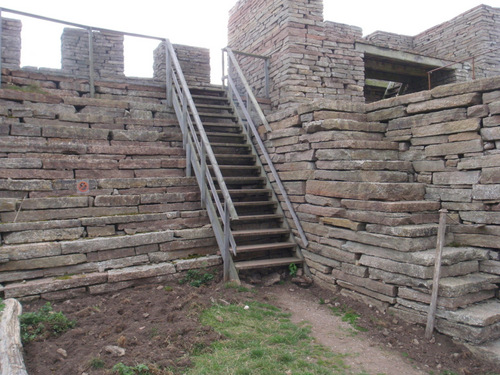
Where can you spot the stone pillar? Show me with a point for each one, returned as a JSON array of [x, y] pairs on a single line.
[[11, 43], [194, 61], [108, 53], [310, 58]]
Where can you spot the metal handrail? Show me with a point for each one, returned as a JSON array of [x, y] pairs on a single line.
[[241, 76], [473, 58], [198, 149], [233, 93]]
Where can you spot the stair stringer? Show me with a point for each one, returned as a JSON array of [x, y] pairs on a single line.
[[258, 161]]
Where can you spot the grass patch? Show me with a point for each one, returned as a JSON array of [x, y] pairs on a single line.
[[43, 323], [196, 278], [2, 305], [350, 316], [29, 88], [262, 340]]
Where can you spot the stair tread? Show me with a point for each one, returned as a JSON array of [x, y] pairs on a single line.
[[217, 144], [220, 134], [242, 218], [264, 246], [262, 263], [255, 203], [237, 167], [259, 232], [232, 156]]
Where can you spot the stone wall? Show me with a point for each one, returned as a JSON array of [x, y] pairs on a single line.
[[473, 33], [367, 182], [107, 53], [11, 43], [310, 59], [194, 61], [92, 191]]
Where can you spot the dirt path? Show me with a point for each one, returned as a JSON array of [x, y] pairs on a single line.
[[329, 330]]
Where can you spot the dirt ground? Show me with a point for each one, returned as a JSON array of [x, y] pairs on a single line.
[[158, 325]]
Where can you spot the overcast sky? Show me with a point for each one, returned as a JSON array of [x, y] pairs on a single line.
[[203, 23]]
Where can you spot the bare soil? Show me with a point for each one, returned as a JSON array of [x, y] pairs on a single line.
[[158, 325]]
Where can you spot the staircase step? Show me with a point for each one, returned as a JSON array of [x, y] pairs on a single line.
[[243, 180], [266, 263], [217, 115], [472, 283], [227, 135], [214, 106], [225, 126], [255, 204], [260, 232], [238, 159], [238, 193], [265, 217], [238, 170], [199, 97], [264, 247]]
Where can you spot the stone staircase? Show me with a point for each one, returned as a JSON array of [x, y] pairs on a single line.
[[261, 234]]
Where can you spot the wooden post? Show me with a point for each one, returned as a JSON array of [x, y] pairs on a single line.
[[437, 273]]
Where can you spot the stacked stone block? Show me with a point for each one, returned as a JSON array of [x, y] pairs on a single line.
[[310, 59], [473, 33], [367, 183], [11, 43], [107, 53], [194, 62], [92, 190]]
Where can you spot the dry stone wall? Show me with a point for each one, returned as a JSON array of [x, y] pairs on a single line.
[[367, 182], [310, 59], [11, 43], [107, 53], [93, 193], [473, 33]]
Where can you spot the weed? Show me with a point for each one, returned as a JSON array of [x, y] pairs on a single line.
[[122, 369], [97, 363], [154, 332], [321, 301], [196, 278], [293, 269], [43, 323], [28, 88], [2, 305], [239, 288], [168, 288], [350, 316]]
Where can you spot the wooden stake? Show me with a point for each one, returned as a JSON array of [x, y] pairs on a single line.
[[437, 273]]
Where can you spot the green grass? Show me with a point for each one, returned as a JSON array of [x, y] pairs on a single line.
[[2, 305], [43, 323], [350, 316], [262, 340]]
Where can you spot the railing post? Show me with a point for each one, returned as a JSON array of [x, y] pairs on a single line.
[[189, 172], [266, 75], [223, 70], [226, 254], [437, 273], [203, 175], [168, 74], [91, 63], [184, 120], [1, 33]]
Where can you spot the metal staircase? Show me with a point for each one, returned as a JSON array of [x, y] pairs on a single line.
[[248, 221]]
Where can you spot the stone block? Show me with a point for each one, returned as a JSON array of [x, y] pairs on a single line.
[[376, 286], [45, 235], [446, 302], [97, 244], [424, 230], [418, 271], [483, 161], [116, 200], [366, 190], [52, 203], [490, 134], [454, 287], [203, 262], [465, 100], [454, 148], [343, 223], [47, 262], [139, 272], [490, 176], [320, 259], [456, 178], [36, 287], [468, 125]]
